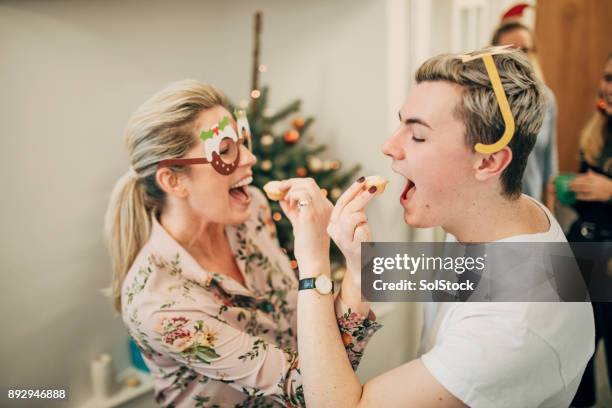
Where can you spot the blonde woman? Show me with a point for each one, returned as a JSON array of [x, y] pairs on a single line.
[[593, 189], [199, 278]]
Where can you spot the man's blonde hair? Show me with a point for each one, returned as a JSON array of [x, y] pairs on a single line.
[[479, 109]]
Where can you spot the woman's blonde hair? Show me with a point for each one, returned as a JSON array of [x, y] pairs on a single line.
[[594, 135], [592, 139], [162, 128]]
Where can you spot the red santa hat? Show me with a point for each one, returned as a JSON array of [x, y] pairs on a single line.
[[521, 12], [515, 12]]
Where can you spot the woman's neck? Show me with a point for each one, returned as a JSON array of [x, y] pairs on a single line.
[[196, 235]]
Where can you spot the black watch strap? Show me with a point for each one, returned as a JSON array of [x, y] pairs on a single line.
[[307, 283], [310, 283]]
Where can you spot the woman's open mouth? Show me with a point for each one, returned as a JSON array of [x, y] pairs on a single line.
[[408, 192], [239, 190]]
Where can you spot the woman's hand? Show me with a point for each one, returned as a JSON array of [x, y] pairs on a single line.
[[591, 186], [349, 227], [309, 212]]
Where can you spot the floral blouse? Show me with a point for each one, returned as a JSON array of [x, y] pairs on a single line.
[[211, 342]]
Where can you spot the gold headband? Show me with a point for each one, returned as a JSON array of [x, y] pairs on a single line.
[[500, 95]]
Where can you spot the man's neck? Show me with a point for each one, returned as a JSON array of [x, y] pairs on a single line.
[[493, 217]]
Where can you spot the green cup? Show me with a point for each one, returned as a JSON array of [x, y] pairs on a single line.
[[565, 195]]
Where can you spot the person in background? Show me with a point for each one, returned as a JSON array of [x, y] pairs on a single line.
[[543, 160], [593, 188]]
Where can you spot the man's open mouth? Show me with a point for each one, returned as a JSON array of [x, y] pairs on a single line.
[[409, 190]]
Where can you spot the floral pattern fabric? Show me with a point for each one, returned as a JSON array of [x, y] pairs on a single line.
[[210, 341]]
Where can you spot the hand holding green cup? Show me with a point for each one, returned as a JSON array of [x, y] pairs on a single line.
[[565, 195]]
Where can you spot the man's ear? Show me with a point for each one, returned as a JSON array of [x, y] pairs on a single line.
[[170, 182], [492, 165]]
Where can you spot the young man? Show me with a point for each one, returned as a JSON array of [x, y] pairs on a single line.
[[463, 154]]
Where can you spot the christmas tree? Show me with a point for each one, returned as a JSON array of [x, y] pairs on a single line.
[[284, 150]]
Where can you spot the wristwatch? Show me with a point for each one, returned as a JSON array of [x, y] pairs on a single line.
[[322, 284]]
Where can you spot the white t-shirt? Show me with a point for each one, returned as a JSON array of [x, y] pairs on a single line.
[[504, 354]]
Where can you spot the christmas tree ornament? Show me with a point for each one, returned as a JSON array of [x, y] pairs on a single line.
[[277, 216], [266, 165], [293, 264], [291, 136], [267, 140], [298, 123], [315, 164], [335, 193], [301, 172]]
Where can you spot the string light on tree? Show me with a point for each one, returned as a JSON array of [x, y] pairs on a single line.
[[335, 193], [266, 165], [301, 172], [267, 140], [263, 68], [315, 164], [255, 93], [277, 216]]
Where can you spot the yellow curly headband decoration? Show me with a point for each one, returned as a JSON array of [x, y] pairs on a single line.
[[500, 95]]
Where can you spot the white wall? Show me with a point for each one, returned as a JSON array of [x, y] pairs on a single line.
[[71, 74]]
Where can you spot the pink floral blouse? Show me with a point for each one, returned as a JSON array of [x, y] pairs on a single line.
[[211, 342]]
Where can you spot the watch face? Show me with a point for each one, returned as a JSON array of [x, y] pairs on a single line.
[[323, 285]]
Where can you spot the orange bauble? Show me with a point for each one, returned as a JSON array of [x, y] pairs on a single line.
[[291, 136], [298, 123]]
